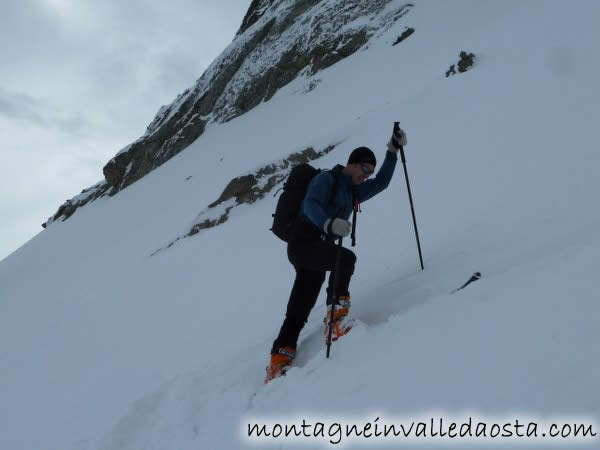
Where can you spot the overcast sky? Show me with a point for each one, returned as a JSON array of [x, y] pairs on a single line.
[[81, 79]]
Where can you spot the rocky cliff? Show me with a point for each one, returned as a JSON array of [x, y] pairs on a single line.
[[278, 41]]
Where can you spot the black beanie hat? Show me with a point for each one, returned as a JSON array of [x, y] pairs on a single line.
[[362, 155]]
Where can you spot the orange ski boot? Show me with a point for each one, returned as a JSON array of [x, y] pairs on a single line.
[[341, 322], [279, 363]]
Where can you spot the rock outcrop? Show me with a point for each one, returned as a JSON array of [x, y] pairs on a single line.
[[466, 61], [277, 42], [249, 188]]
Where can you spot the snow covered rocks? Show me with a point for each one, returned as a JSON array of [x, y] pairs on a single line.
[[277, 43], [249, 188], [404, 35], [466, 61]]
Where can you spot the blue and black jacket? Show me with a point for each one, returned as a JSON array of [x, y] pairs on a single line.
[[330, 195]]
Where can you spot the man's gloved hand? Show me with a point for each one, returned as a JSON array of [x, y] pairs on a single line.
[[337, 226], [397, 140]]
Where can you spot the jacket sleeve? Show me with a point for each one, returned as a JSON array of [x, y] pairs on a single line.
[[315, 201], [370, 188]]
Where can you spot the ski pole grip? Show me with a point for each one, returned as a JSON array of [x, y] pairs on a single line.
[[396, 127]]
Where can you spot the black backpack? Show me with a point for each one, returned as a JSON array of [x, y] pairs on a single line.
[[294, 191]]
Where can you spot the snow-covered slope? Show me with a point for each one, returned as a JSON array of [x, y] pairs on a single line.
[[103, 346]]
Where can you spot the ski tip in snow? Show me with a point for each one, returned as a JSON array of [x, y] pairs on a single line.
[[476, 276]]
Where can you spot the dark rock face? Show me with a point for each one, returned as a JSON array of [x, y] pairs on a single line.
[[256, 11], [404, 35], [466, 61], [250, 188], [69, 207], [276, 43], [170, 132], [247, 189]]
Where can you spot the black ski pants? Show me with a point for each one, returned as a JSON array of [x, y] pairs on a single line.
[[311, 260]]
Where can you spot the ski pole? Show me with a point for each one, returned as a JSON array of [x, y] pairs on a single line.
[[355, 210], [412, 207], [334, 300]]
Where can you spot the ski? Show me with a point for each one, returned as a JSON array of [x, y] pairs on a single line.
[[476, 276]]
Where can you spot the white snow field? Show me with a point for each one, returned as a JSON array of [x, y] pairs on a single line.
[[103, 346]]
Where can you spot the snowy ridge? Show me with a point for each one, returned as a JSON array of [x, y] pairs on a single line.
[[248, 189], [255, 11], [322, 23], [325, 23], [68, 208], [290, 39], [106, 348]]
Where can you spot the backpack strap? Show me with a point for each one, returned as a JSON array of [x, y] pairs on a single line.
[[334, 189], [355, 204]]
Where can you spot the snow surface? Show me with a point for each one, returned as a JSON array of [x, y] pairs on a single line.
[[103, 346]]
